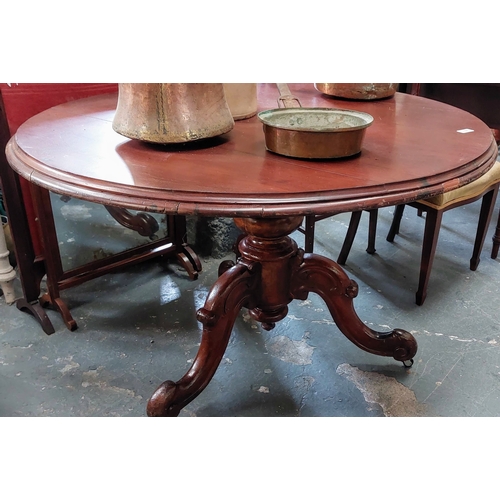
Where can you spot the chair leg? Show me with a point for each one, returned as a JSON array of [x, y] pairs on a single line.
[[496, 239], [396, 222], [431, 233], [349, 239], [487, 206], [372, 231], [309, 223]]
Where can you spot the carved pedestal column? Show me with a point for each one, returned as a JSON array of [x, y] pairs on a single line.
[[269, 273]]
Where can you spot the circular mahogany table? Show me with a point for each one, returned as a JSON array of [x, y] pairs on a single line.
[[415, 148]]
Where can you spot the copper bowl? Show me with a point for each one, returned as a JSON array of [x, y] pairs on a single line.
[[363, 91], [314, 133]]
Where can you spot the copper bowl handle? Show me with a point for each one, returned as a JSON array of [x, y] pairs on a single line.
[[286, 97]]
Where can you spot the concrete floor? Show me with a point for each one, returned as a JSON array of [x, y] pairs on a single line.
[[138, 328]]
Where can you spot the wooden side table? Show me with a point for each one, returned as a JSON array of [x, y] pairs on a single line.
[[34, 231], [415, 148]]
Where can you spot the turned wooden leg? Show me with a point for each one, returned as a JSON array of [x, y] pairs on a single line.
[[232, 291], [349, 238], [322, 276]]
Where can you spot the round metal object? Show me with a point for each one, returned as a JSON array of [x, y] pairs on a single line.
[[167, 113], [314, 132], [362, 91]]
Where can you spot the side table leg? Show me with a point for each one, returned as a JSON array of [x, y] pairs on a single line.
[[185, 255], [190, 261], [326, 278], [54, 300], [231, 292], [38, 312]]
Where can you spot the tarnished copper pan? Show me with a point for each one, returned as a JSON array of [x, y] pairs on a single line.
[[168, 113], [313, 132], [363, 91]]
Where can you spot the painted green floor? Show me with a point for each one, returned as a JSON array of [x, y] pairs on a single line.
[[138, 328]]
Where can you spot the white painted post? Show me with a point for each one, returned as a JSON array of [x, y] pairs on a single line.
[[7, 273]]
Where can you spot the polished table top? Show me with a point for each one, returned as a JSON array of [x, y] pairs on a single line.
[[415, 148]]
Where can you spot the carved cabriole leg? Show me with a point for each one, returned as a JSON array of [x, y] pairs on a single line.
[[270, 272], [326, 278], [260, 281], [233, 290]]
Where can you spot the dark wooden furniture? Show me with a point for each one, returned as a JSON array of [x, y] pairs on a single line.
[[266, 194], [309, 225], [33, 228], [480, 99], [484, 188], [483, 100]]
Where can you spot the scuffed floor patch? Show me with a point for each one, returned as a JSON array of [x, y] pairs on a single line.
[[93, 379], [76, 212], [395, 399], [290, 351]]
